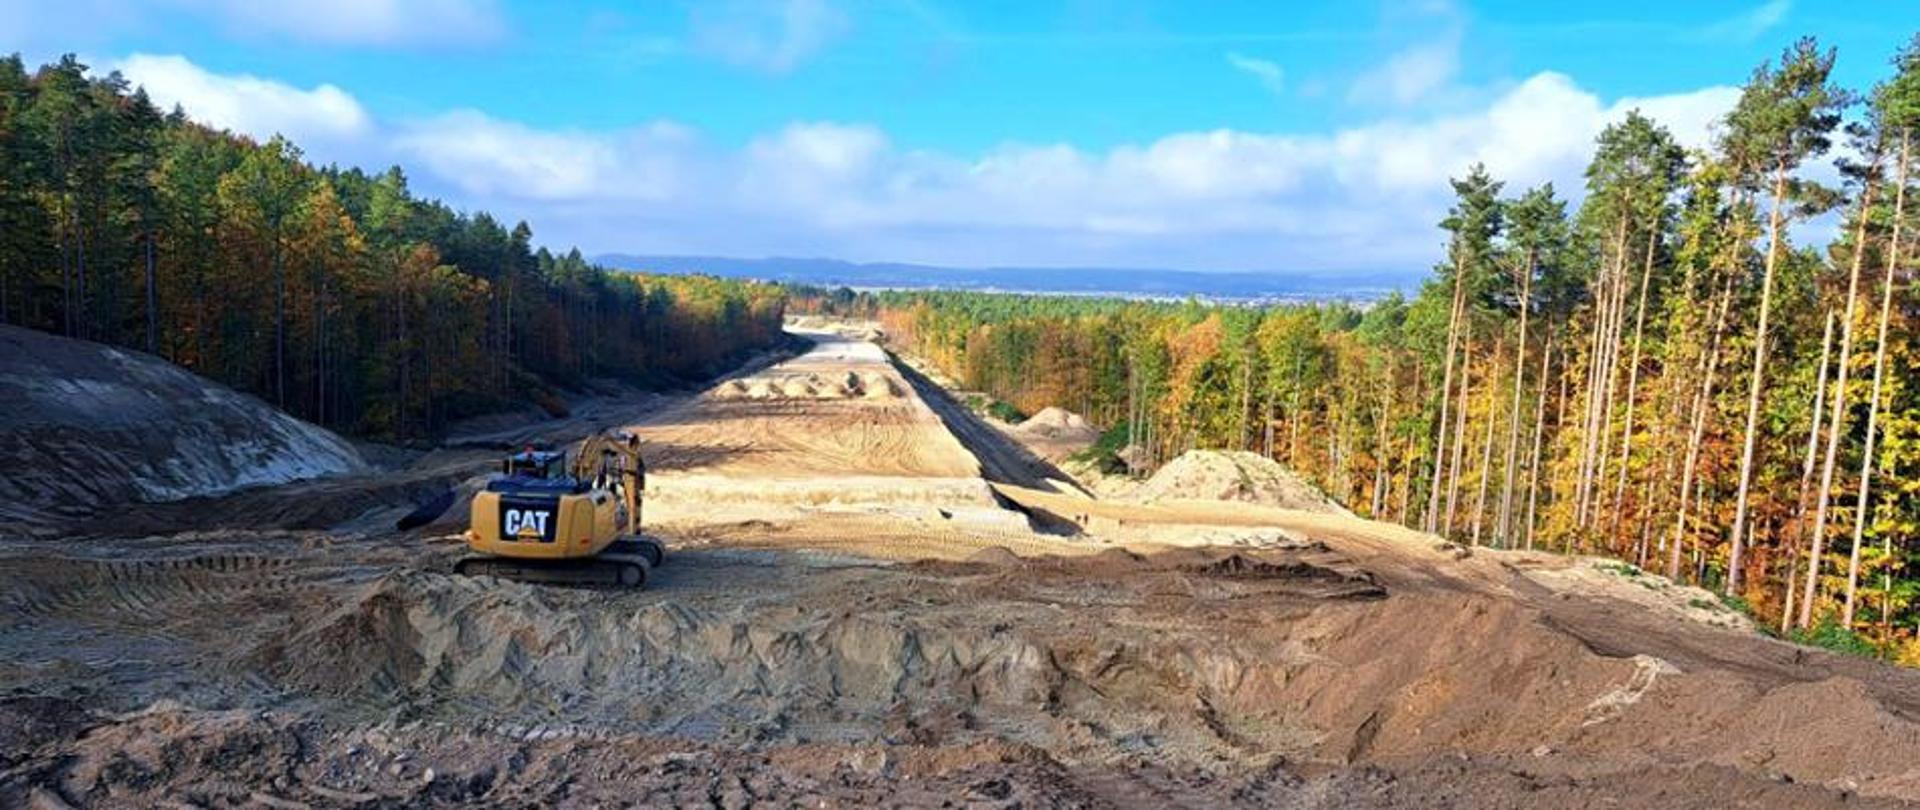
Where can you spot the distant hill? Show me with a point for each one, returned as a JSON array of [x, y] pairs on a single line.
[[1072, 280]]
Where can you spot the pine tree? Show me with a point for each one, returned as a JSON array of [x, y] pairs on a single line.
[[1473, 223], [1896, 115], [1784, 117]]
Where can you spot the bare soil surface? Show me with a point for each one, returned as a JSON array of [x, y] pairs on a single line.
[[84, 426], [888, 627]]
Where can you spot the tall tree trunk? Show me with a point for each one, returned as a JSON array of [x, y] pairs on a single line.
[[1758, 381], [1616, 332], [1133, 417], [1596, 376], [1486, 447], [1823, 494], [1633, 383], [1378, 503], [1879, 377], [1807, 467], [1459, 427], [1539, 431], [1431, 520], [1293, 420], [1646, 524], [1267, 419], [1560, 416], [1703, 404], [1505, 524], [1246, 400], [1406, 455]]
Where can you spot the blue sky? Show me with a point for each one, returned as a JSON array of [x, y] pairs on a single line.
[[1261, 136]]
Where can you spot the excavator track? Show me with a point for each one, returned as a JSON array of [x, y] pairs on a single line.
[[651, 549], [626, 563]]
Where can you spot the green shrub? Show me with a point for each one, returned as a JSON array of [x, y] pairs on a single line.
[[1005, 412], [1104, 453], [1628, 570], [1830, 635]]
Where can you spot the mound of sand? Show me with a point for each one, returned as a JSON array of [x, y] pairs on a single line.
[[811, 385], [876, 386], [1060, 423], [88, 426], [1054, 434], [1235, 475]]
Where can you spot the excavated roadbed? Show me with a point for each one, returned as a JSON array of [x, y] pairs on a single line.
[[852, 653]]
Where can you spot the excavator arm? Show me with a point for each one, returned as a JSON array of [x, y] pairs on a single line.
[[612, 459]]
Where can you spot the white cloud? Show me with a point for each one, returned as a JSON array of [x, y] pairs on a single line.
[[1750, 24], [360, 22], [486, 157], [1691, 117], [1269, 74], [1361, 198], [774, 36], [248, 104], [1411, 75]]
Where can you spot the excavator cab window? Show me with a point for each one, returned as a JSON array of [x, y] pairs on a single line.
[[536, 470], [543, 464]]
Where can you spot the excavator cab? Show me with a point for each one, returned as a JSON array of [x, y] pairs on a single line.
[[531, 463], [547, 517]]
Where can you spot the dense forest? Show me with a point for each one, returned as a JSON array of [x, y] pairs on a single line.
[[1659, 374], [334, 293]]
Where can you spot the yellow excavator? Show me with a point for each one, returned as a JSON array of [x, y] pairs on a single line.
[[543, 519]]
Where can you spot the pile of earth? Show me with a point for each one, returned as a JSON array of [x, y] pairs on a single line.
[[1055, 434], [869, 385], [89, 426], [1235, 475], [1059, 423]]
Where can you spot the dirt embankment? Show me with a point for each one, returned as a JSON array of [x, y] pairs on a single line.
[[88, 427]]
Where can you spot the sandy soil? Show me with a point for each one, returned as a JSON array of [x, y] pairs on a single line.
[[912, 639], [84, 426], [835, 427]]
